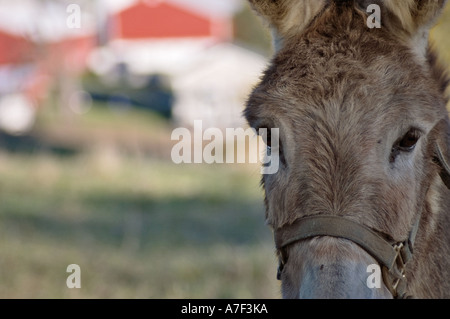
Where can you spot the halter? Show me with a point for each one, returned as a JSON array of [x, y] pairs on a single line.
[[392, 256]]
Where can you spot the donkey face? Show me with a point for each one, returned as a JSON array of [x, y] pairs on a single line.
[[360, 112]]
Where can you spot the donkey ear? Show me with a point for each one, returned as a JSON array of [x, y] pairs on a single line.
[[288, 16], [442, 149], [412, 16]]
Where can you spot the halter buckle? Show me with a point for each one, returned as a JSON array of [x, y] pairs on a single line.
[[395, 278]]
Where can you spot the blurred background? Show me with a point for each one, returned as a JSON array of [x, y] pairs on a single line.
[[90, 92]]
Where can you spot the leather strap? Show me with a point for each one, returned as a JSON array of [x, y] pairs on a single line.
[[392, 256], [336, 226], [445, 173]]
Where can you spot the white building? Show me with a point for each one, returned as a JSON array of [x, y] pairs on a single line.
[[211, 77], [216, 85]]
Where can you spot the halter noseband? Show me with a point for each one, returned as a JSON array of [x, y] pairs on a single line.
[[392, 256]]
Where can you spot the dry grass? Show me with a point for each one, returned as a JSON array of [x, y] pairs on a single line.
[[138, 227]]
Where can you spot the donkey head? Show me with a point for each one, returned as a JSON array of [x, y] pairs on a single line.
[[364, 135]]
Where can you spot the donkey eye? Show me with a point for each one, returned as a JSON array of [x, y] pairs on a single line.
[[269, 139], [266, 135], [406, 144], [409, 141]]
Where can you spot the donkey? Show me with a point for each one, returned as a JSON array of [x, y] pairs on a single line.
[[363, 184]]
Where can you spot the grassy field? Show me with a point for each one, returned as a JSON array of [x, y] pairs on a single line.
[[99, 190], [137, 225]]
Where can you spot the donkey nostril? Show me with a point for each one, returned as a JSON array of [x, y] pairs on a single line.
[[321, 267]]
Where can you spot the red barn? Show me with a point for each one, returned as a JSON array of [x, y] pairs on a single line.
[[14, 49], [156, 19]]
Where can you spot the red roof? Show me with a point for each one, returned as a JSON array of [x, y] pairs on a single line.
[[164, 20], [69, 53], [14, 49]]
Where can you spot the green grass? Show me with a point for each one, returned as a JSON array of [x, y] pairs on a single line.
[[139, 227]]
